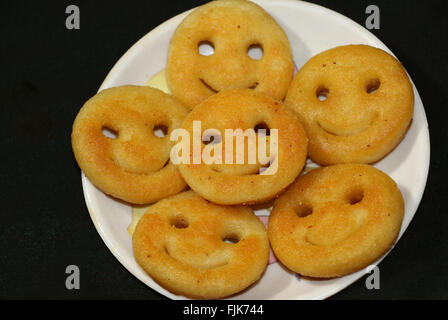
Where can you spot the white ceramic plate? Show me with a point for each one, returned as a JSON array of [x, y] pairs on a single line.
[[311, 29]]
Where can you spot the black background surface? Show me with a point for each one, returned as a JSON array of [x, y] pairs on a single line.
[[47, 72]]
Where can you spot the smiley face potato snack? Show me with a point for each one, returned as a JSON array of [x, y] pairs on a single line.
[[244, 110], [199, 249], [135, 165], [231, 27], [355, 101], [336, 220]]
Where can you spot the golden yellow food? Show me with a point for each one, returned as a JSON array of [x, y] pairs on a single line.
[[199, 249], [355, 101], [231, 28], [132, 163], [336, 220], [245, 183]]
